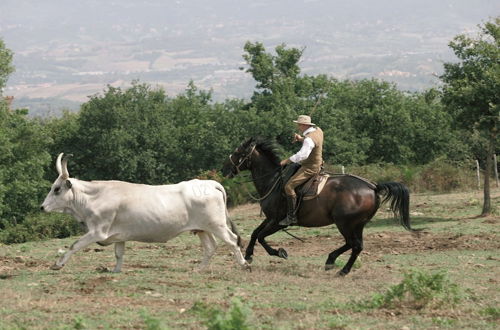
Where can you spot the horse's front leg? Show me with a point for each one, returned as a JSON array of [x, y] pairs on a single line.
[[268, 230], [253, 239]]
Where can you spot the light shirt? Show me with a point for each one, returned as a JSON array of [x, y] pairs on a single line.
[[307, 146]]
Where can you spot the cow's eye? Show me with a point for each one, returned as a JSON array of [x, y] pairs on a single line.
[[57, 190]]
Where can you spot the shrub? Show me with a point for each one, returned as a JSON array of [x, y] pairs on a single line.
[[442, 175], [216, 319], [239, 191], [40, 226], [150, 322], [418, 290]]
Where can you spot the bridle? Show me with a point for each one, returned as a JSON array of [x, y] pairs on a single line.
[[242, 160]]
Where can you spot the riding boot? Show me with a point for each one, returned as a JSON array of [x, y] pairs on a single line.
[[291, 218]]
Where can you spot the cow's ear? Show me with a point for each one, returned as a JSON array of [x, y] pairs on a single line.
[[69, 184]]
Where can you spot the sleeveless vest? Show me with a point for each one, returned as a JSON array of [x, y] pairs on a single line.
[[315, 159]]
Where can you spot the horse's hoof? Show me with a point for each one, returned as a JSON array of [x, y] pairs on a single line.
[[249, 259], [329, 266], [341, 273], [55, 267], [282, 253]]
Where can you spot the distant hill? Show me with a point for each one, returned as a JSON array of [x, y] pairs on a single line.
[[67, 50]]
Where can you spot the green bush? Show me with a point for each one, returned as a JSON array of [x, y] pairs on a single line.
[[442, 175], [40, 226], [216, 319], [439, 176], [239, 190], [418, 290]]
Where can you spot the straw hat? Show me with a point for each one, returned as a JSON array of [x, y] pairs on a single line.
[[305, 120]]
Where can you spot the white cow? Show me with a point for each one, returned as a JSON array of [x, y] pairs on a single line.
[[116, 212]]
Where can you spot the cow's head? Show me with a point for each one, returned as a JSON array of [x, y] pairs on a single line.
[[60, 195]]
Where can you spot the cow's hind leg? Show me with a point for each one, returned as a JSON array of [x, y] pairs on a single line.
[[119, 251], [227, 236], [209, 245]]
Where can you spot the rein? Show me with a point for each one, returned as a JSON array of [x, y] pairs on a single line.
[[259, 199]]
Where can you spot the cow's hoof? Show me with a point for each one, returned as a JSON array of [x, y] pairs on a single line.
[[249, 259], [102, 269], [247, 267], [55, 267], [282, 253], [329, 267]]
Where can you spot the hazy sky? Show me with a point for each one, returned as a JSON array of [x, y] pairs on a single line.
[[69, 49]]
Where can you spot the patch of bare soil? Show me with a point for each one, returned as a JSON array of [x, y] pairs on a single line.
[[9, 265], [394, 243]]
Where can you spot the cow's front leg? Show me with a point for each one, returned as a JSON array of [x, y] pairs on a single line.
[[119, 251], [83, 242]]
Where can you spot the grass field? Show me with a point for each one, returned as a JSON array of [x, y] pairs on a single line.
[[160, 289]]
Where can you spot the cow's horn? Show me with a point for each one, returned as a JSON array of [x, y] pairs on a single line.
[[64, 166], [58, 163]]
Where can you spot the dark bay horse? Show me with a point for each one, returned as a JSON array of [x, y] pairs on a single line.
[[347, 201]]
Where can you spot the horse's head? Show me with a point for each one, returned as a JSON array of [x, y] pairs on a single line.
[[239, 160]]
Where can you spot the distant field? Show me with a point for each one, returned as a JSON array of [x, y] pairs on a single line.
[[159, 289]]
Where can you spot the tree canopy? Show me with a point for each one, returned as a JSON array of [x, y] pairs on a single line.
[[471, 89]]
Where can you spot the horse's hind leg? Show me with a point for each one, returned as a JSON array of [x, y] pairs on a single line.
[[330, 262], [356, 242]]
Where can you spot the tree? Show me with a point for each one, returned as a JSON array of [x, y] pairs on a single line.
[[471, 87], [6, 67]]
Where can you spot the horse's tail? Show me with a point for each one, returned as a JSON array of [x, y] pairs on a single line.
[[399, 196], [220, 188]]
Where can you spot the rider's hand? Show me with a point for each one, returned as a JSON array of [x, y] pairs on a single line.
[[297, 137], [284, 162]]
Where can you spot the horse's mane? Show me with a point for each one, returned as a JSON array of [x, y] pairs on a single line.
[[268, 147]]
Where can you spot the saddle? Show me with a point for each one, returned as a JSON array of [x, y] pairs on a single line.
[[312, 187]]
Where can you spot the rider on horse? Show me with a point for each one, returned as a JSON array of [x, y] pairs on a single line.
[[311, 159]]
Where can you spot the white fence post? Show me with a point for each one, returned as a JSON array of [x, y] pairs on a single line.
[[495, 166], [478, 175]]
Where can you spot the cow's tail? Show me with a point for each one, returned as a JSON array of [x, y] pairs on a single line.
[[398, 196], [234, 229]]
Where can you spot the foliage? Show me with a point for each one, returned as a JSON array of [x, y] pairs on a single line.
[[23, 157], [217, 319], [150, 322], [418, 290], [38, 227], [6, 67], [491, 312], [471, 87]]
